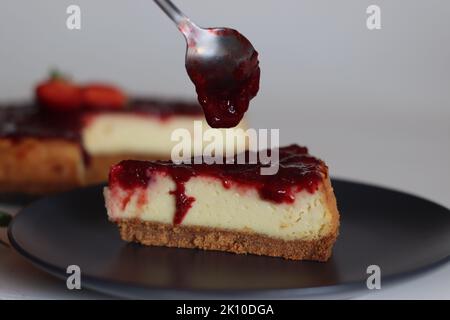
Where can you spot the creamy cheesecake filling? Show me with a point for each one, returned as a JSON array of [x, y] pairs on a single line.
[[140, 134], [236, 208]]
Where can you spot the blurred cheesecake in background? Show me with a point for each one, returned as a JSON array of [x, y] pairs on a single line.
[[71, 135]]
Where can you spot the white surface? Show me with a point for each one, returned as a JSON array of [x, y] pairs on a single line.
[[374, 104]]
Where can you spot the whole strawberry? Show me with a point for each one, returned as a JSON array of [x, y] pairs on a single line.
[[58, 94], [98, 96]]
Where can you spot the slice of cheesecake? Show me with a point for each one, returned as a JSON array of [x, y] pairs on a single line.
[[228, 207]]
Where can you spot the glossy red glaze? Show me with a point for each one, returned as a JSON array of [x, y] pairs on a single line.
[[225, 101]]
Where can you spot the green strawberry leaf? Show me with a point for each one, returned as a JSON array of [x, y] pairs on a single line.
[[5, 219], [55, 74]]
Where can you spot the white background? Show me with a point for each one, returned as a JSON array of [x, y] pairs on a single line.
[[374, 104]]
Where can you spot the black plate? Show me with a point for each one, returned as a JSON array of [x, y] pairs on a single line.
[[398, 232]]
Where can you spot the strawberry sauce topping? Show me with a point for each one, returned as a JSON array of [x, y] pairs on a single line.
[[224, 100], [297, 171]]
